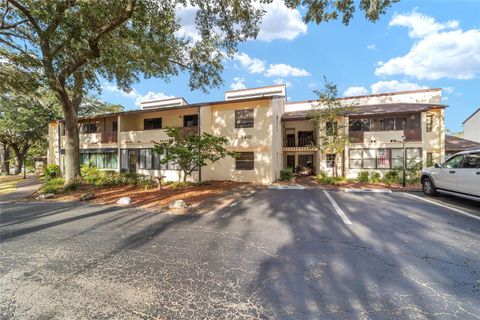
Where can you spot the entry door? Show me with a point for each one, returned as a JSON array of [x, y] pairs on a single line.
[[132, 161], [305, 160], [291, 161]]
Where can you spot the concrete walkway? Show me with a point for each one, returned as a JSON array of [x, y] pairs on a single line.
[[24, 189]]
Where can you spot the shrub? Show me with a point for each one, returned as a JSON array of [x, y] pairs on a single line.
[[52, 185], [392, 176], [363, 176], [286, 174], [52, 171], [176, 185], [375, 177], [324, 178], [91, 174]]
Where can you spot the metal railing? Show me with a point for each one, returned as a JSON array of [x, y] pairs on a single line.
[[300, 142]]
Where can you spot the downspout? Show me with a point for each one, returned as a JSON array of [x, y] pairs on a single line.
[[199, 132]]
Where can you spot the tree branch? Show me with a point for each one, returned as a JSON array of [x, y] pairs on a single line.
[[27, 14], [94, 39]]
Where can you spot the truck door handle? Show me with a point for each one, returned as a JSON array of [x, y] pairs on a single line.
[[452, 171]]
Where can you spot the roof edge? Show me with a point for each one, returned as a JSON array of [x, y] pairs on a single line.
[[470, 116]]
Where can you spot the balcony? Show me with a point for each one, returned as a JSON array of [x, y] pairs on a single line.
[[411, 135], [109, 137], [300, 144], [95, 139], [147, 137]]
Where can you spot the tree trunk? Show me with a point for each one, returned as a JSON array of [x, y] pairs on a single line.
[[19, 158], [72, 149], [184, 176], [5, 156]]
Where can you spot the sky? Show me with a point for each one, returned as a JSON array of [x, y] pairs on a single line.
[[417, 44]]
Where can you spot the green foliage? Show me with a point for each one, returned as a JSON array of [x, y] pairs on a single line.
[[286, 174], [91, 174], [363, 176], [327, 117], [92, 106], [52, 171], [54, 185], [375, 177], [191, 151], [392, 176], [176, 185], [326, 179]]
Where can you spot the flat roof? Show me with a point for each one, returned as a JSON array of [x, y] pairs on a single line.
[[372, 109], [186, 106], [374, 95]]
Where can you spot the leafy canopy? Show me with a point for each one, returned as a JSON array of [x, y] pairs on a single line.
[[191, 151]]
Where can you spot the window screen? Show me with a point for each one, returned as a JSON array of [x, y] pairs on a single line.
[[244, 161], [155, 123], [244, 118]]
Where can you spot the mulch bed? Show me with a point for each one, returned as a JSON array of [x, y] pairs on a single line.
[[153, 198]]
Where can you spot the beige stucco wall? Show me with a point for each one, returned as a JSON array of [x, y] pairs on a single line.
[[257, 139], [170, 118], [471, 128]]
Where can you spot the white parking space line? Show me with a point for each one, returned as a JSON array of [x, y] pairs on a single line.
[[339, 211], [444, 206]]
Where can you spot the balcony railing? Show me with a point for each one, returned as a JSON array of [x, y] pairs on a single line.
[[109, 137], [356, 136], [413, 134], [300, 142]]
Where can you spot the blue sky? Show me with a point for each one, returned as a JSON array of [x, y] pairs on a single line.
[[417, 44]]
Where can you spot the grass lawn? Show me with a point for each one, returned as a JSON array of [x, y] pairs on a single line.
[[8, 184]]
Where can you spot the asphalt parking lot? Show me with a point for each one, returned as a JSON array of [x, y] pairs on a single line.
[[276, 254]]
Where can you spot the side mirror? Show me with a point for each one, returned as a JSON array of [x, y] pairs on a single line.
[[438, 165]]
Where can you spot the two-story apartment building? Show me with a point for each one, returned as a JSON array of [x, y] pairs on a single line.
[[266, 132]]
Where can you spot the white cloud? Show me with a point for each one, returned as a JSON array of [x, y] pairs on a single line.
[[253, 65], [188, 28], [285, 70], [372, 47], [394, 85], [355, 91], [133, 94], [383, 87], [448, 89], [280, 22], [151, 96], [282, 81], [421, 25], [239, 83], [439, 53]]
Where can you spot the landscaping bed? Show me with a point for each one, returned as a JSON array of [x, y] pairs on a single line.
[[311, 181]]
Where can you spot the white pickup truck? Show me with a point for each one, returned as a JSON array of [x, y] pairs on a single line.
[[458, 176]]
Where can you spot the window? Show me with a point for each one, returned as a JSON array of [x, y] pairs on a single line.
[[114, 126], [244, 161], [362, 124], [145, 161], [397, 158], [330, 160], [369, 158], [124, 159], [100, 160], [150, 124], [389, 124], [454, 162], [156, 160], [355, 158], [244, 118], [414, 157], [429, 125], [471, 161], [89, 127], [413, 121], [332, 127], [190, 120], [305, 138], [400, 123], [383, 158]]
